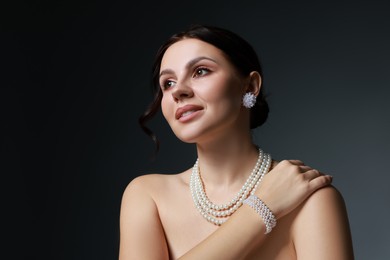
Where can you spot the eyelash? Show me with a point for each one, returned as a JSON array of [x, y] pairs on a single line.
[[196, 74], [201, 69], [164, 85]]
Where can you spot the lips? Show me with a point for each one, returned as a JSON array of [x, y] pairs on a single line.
[[187, 110]]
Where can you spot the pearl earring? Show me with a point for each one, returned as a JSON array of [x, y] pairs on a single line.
[[248, 100]]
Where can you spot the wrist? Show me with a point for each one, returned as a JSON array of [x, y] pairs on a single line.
[[263, 211]]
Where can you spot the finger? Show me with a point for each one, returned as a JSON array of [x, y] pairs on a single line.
[[320, 182], [304, 168], [312, 174], [296, 162]]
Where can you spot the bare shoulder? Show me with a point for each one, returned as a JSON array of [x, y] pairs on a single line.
[[147, 181], [324, 199], [154, 184], [323, 203], [140, 222], [320, 223], [328, 193]]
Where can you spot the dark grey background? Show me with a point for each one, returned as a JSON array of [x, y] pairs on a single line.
[[75, 78]]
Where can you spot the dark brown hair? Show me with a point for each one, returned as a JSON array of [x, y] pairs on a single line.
[[238, 51]]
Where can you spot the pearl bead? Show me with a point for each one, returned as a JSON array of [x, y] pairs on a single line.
[[218, 214]]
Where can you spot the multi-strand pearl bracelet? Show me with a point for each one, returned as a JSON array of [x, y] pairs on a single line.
[[266, 214]]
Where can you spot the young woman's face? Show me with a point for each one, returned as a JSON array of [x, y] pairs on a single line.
[[202, 91]]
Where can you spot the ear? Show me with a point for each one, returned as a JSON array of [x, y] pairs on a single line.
[[254, 84]]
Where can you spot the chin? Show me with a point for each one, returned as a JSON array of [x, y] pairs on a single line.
[[187, 139], [188, 135], [194, 133]]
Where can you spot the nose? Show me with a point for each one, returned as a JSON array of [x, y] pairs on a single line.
[[182, 91]]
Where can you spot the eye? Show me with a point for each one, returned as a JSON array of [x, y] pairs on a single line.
[[201, 71], [167, 84]]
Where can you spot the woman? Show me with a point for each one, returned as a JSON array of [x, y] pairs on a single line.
[[235, 202]]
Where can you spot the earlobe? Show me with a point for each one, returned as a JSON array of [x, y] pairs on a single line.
[[255, 82]]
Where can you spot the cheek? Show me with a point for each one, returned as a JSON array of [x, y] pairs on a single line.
[[227, 94], [164, 107]]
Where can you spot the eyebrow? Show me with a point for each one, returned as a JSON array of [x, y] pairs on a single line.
[[188, 65]]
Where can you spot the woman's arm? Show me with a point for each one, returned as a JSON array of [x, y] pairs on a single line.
[[321, 229], [282, 189]]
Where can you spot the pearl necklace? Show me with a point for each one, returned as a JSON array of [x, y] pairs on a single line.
[[218, 214]]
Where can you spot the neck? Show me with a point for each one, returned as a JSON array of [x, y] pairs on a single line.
[[227, 162]]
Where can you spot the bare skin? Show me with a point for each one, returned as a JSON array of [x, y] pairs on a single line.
[[178, 227], [158, 217]]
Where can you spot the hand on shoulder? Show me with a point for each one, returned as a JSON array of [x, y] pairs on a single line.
[[288, 184]]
